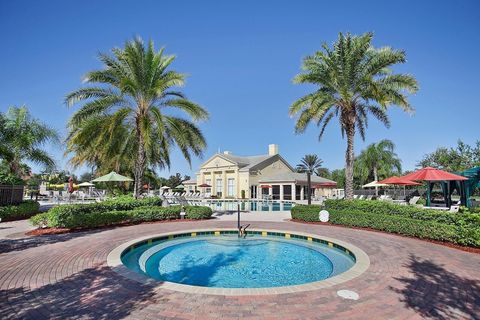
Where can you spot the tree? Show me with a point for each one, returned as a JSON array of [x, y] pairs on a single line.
[[123, 117], [22, 139], [462, 157], [378, 160], [310, 163], [353, 80]]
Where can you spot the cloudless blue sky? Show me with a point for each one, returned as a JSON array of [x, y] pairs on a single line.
[[241, 57]]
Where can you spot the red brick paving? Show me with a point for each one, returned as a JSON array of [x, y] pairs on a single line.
[[65, 276]]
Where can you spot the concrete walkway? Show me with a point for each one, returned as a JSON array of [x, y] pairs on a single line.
[[66, 276], [14, 228]]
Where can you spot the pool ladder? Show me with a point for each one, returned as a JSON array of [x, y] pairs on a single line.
[[242, 230]]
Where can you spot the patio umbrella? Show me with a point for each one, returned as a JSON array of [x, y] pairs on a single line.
[[264, 186], [374, 184], [399, 181], [112, 177], [180, 187], [86, 184], [430, 174], [205, 185], [164, 188]]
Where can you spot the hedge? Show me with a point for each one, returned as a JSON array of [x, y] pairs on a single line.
[[23, 210], [95, 215], [463, 235], [382, 207], [198, 212]]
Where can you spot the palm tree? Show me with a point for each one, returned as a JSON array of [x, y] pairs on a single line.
[[22, 138], [124, 112], [379, 159], [353, 80], [310, 163]]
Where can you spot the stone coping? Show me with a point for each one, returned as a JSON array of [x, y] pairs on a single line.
[[361, 265]]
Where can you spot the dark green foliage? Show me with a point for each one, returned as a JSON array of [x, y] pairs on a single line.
[[409, 221], [198, 212], [306, 213], [111, 212], [407, 226], [382, 207], [24, 210]]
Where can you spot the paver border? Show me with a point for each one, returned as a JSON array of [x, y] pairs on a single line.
[[361, 265]]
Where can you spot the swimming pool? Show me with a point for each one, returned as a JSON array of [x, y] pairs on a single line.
[[219, 259], [249, 205]]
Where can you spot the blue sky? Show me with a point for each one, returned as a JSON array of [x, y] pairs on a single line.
[[241, 57]]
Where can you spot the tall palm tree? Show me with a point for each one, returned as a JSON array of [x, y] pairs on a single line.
[[125, 111], [22, 138], [379, 159], [310, 163], [353, 80]]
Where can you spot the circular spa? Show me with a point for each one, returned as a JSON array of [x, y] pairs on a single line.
[[220, 259]]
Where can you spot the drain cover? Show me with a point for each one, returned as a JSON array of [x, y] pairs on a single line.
[[347, 294]]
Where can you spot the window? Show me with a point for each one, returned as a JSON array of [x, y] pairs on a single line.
[[231, 187], [209, 182], [219, 187]]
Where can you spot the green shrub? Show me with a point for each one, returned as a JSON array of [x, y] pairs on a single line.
[[23, 210], [71, 219], [383, 207], [198, 212], [407, 226], [155, 213], [306, 212]]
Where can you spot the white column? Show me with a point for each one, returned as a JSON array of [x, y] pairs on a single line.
[[302, 193], [270, 191], [293, 191], [224, 181], [281, 192]]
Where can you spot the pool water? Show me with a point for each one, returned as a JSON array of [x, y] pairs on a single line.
[[229, 262], [225, 205]]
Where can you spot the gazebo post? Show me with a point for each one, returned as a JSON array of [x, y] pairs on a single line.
[[428, 194]]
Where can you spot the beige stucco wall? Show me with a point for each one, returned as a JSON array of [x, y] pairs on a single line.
[[219, 168]]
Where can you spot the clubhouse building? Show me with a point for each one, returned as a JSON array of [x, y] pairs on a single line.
[[226, 175]]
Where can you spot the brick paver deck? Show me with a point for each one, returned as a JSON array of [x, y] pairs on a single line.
[[66, 276]]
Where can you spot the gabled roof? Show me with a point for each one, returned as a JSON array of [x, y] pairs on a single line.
[[247, 163]]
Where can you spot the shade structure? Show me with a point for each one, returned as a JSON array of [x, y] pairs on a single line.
[[264, 186], [86, 184], [164, 188], [430, 175], [374, 184], [180, 187], [433, 174], [112, 177], [400, 181], [325, 185], [205, 185]]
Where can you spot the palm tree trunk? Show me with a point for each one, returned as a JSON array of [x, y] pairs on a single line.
[[139, 165], [349, 158], [375, 178]]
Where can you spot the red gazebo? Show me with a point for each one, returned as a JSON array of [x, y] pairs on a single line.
[[430, 175]]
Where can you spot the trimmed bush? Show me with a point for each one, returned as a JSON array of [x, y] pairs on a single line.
[[305, 212], [466, 235], [198, 212], [24, 210], [382, 207], [155, 213]]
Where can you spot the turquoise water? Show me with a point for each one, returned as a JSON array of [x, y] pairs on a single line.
[[222, 205], [229, 262]]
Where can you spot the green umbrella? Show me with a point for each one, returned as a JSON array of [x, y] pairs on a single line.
[[112, 177], [180, 187]]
